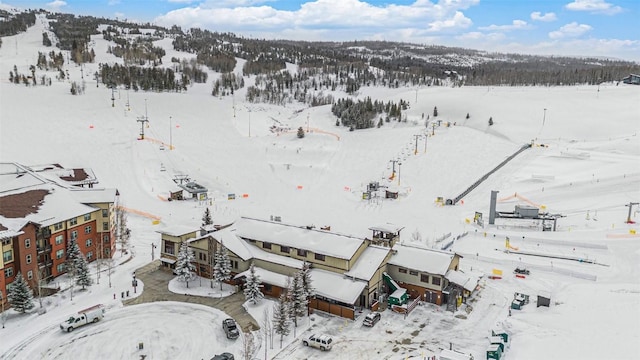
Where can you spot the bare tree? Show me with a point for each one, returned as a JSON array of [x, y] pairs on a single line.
[[249, 345], [267, 327], [122, 231]]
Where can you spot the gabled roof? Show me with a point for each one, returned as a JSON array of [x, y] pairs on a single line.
[[94, 196], [387, 228], [425, 260], [370, 260], [267, 277], [468, 282], [229, 239], [177, 230], [299, 237], [335, 286]]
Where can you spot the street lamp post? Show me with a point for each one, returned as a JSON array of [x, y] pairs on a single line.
[[399, 164], [544, 116]]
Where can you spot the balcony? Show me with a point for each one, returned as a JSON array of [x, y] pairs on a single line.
[[44, 249]]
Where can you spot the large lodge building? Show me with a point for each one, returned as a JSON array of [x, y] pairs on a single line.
[[41, 209]]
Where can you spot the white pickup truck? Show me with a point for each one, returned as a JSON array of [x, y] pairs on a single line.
[[83, 317]]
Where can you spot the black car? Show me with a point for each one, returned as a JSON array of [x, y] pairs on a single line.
[[230, 328], [223, 356], [520, 270]]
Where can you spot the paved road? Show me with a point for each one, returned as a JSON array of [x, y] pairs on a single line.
[[156, 288]]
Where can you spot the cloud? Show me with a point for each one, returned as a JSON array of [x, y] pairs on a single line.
[[547, 17], [570, 30], [476, 35], [594, 6], [515, 25], [56, 5], [339, 18]]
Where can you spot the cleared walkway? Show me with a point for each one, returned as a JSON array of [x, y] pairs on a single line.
[[156, 288]]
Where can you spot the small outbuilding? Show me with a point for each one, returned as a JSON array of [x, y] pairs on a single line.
[[544, 299]]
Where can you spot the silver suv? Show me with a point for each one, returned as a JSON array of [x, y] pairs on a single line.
[[371, 319], [230, 328], [322, 342]]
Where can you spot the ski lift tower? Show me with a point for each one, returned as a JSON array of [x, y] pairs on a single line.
[[142, 120]]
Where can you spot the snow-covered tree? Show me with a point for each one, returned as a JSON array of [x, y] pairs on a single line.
[[306, 280], [184, 264], [490, 121], [20, 295], [222, 267], [252, 286], [206, 218], [297, 298], [281, 321], [73, 252], [83, 277], [300, 132]]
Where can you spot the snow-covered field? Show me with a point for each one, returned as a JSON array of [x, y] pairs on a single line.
[[587, 171]]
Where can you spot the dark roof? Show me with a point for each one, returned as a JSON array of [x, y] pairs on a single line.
[[78, 175], [20, 205]]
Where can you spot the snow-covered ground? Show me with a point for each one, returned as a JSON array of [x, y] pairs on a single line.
[[587, 171]]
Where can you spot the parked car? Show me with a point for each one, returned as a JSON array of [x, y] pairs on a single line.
[[521, 270], [223, 356], [230, 328], [322, 342], [371, 319], [83, 317]]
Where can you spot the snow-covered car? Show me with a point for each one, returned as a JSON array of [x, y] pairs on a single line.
[[521, 270], [230, 328], [322, 342], [371, 319]]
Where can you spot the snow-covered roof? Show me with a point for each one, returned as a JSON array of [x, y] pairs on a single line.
[[388, 228], [335, 286], [177, 230], [229, 239], [370, 260], [56, 205], [425, 260], [468, 282], [267, 277], [299, 237], [258, 253], [93, 195]]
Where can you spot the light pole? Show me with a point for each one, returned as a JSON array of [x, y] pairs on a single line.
[[2, 314], [544, 116], [399, 164], [170, 137]]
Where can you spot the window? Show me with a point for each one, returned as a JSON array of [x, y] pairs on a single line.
[[29, 274], [74, 234], [89, 255], [105, 212], [27, 243], [266, 245], [7, 256], [435, 280], [267, 288], [89, 242], [8, 272], [28, 258], [87, 229], [284, 249], [87, 217], [59, 239], [319, 257], [302, 253], [57, 226], [169, 248], [6, 241], [105, 226], [424, 278], [413, 272], [203, 256], [73, 222], [59, 254], [234, 264], [402, 270], [60, 268], [105, 239]]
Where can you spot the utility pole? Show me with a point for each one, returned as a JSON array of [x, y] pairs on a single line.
[[113, 99], [629, 221], [544, 116], [399, 164]]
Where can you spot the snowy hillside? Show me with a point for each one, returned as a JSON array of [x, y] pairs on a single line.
[[583, 165]]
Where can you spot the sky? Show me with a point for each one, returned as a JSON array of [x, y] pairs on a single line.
[[587, 171], [598, 28]]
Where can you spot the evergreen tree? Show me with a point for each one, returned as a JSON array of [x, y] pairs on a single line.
[[252, 286], [73, 253], [435, 111], [468, 116], [82, 269], [20, 295], [222, 267], [184, 264], [297, 298], [281, 321], [206, 218], [490, 121], [300, 132]]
